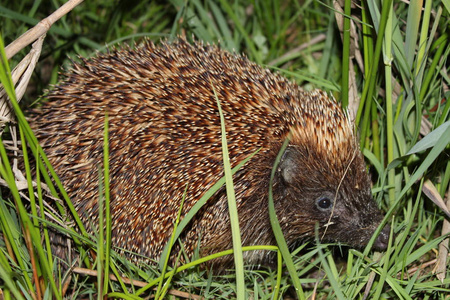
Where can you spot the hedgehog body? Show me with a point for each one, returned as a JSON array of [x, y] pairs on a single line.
[[165, 136]]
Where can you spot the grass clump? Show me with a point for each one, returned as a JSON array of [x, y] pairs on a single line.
[[386, 61]]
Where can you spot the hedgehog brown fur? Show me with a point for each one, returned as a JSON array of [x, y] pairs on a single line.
[[165, 136]]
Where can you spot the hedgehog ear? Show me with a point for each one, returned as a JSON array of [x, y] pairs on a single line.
[[287, 167]]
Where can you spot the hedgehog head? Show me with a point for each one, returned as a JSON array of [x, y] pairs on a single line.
[[322, 180]]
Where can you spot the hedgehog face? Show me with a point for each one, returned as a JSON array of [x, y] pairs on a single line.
[[336, 199]]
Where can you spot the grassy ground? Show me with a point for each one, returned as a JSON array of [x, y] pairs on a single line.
[[395, 60]]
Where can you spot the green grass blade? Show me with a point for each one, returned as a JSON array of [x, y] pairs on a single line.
[[412, 29], [232, 209], [107, 201], [388, 58], [346, 55]]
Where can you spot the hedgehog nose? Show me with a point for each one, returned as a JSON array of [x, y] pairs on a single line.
[[382, 241]]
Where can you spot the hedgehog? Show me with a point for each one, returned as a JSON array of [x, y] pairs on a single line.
[[165, 146]]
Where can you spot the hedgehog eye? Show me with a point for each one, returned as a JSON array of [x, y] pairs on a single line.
[[324, 203]]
